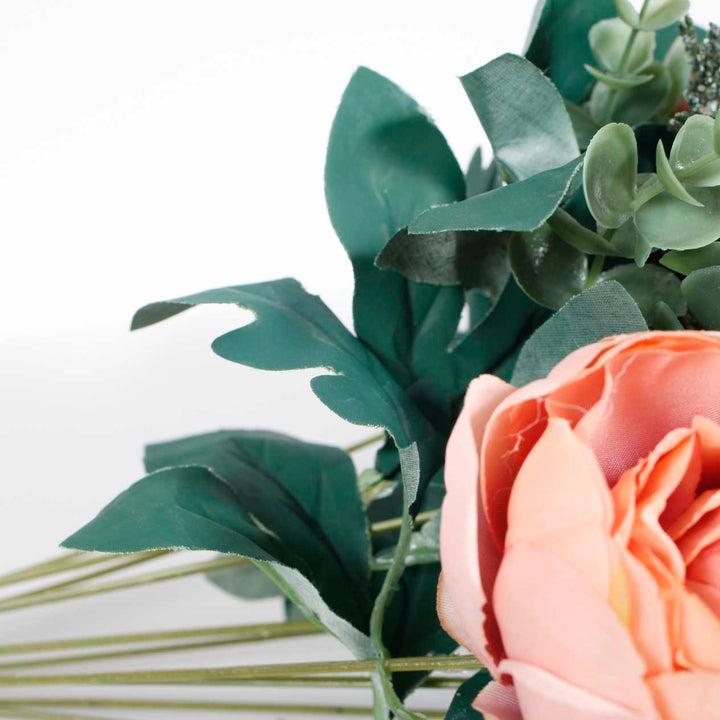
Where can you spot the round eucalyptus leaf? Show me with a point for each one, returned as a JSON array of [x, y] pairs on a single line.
[[687, 261], [702, 292], [665, 318], [669, 180], [627, 13], [678, 67], [608, 40], [609, 174], [661, 13], [549, 270], [617, 81], [671, 224], [648, 286], [694, 145]]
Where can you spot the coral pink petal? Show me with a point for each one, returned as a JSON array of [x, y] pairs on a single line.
[[469, 558], [551, 616], [544, 696], [699, 634], [498, 702], [704, 533], [647, 394], [709, 434], [687, 695], [560, 501]]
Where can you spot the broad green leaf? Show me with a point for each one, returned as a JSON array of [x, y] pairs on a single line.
[[583, 123], [293, 330], [617, 81], [523, 116], [608, 40], [664, 318], [549, 270], [648, 286], [659, 14], [521, 206], [605, 309], [248, 582], [480, 179], [702, 292], [670, 224], [627, 13], [687, 261], [609, 175], [678, 67], [669, 180], [386, 163], [254, 516], [581, 238], [559, 42], [693, 153], [461, 707]]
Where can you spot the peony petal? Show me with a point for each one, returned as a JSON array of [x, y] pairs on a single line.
[[699, 635], [687, 695], [498, 702], [560, 501], [551, 617], [469, 558], [701, 535], [544, 696], [709, 434]]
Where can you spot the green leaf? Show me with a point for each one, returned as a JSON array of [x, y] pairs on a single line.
[[661, 13], [670, 224], [694, 146], [618, 81], [479, 179], [549, 270], [578, 236], [610, 173], [687, 261], [678, 67], [559, 42], [248, 582], [608, 40], [386, 163], [664, 318], [669, 180], [523, 116], [627, 13], [522, 206], [702, 292], [583, 124], [605, 309], [648, 286], [716, 133], [293, 330], [461, 707]]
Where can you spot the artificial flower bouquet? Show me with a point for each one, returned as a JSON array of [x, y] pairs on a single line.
[[534, 337]]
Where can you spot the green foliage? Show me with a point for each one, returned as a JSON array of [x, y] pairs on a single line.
[[694, 153], [702, 291], [685, 262], [461, 706]]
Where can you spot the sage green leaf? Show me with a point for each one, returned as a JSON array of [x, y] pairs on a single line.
[[248, 582], [559, 42], [608, 40], [658, 14], [581, 238], [678, 67], [605, 309], [687, 261], [461, 707], [693, 153], [609, 175], [670, 224], [627, 13], [618, 81], [648, 286], [254, 516], [664, 318], [549, 270], [521, 206], [480, 179], [669, 180], [583, 123], [523, 116], [702, 292], [716, 134], [386, 163], [293, 330]]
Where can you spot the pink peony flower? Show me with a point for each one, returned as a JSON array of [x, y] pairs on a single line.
[[580, 535]]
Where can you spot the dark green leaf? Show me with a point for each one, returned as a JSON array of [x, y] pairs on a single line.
[[522, 206], [523, 116], [687, 261], [461, 707], [605, 309], [549, 270], [479, 179], [664, 318], [583, 123], [702, 292], [248, 582]]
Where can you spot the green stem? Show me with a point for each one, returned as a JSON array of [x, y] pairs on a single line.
[[13, 711], [365, 443], [245, 672], [396, 523], [595, 269], [64, 563]]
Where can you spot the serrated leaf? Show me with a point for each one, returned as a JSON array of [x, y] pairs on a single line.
[[687, 261], [627, 13], [559, 41], [617, 81], [669, 180], [549, 270], [610, 173], [702, 292], [461, 707], [523, 116], [608, 40], [648, 286], [386, 163], [605, 309], [658, 14], [678, 67], [522, 206], [581, 238], [694, 146]]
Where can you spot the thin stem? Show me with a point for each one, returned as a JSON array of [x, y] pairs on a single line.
[[396, 523], [12, 711], [365, 443], [595, 270], [248, 672], [64, 563]]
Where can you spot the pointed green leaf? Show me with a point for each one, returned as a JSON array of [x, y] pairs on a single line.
[[627, 13], [523, 116], [687, 261], [610, 173], [702, 292], [693, 153], [549, 270], [659, 14], [616, 81], [605, 309], [522, 206], [578, 236], [669, 180], [608, 40]]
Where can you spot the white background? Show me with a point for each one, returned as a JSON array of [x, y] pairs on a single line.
[[153, 148]]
